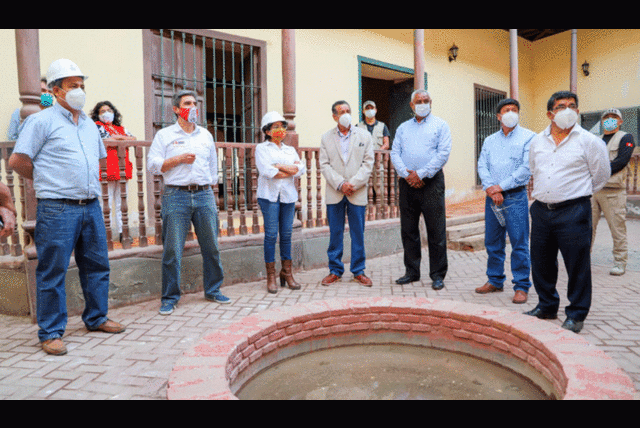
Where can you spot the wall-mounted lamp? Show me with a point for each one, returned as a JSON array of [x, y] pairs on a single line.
[[585, 68], [453, 53]]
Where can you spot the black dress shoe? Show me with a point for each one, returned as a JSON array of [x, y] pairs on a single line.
[[538, 313], [407, 279], [438, 284], [573, 325]]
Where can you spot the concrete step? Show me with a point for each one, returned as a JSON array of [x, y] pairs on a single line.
[[466, 232], [467, 243], [465, 229]]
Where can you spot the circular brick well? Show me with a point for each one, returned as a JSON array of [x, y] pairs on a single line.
[[563, 364]]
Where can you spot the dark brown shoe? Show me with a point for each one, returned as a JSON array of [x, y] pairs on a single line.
[[488, 288], [54, 347], [330, 279], [286, 276], [271, 277], [520, 297], [111, 327], [364, 280]]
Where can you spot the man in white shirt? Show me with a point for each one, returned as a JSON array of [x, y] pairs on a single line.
[[185, 155], [568, 165]]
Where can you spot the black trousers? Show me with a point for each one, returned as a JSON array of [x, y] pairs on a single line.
[[567, 229], [428, 201]]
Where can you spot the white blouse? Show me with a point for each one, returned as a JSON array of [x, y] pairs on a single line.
[[269, 154]]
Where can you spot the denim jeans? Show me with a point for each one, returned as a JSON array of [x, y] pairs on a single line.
[[515, 210], [356, 215], [277, 217], [179, 209], [60, 229]]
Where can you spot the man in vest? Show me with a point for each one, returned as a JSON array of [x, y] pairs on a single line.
[[612, 199], [378, 130]]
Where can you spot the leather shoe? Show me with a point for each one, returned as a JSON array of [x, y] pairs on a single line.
[[488, 288], [520, 297], [407, 279], [54, 346], [573, 325], [110, 327], [438, 284], [538, 313], [364, 280], [330, 279]]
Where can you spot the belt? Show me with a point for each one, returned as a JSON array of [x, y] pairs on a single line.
[[514, 190], [563, 204], [192, 187], [71, 201]]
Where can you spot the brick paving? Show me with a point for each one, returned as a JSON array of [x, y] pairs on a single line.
[[136, 364]]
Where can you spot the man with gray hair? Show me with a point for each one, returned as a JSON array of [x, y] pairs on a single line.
[[420, 149], [185, 155]]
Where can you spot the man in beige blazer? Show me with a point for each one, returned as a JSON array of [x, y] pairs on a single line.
[[346, 160]]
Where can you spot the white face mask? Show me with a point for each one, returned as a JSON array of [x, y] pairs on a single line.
[[423, 110], [345, 120], [566, 118], [106, 117], [510, 119], [75, 98], [371, 113]]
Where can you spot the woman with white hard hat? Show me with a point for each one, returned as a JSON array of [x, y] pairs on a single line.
[[277, 165]]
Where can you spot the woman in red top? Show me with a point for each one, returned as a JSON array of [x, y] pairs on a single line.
[[109, 122]]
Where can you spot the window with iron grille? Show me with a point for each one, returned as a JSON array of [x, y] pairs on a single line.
[[225, 71], [486, 101]]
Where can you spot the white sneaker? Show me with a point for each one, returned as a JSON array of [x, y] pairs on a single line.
[[617, 270]]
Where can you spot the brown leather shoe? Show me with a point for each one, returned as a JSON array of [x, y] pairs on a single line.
[[286, 276], [364, 280], [330, 279], [271, 277], [111, 327], [520, 297], [54, 347], [488, 288]]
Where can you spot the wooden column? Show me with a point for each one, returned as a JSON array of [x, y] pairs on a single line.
[[513, 56], [289, 85], [573, 84], [418, 59], [28, 60]]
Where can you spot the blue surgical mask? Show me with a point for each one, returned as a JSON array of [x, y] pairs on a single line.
[[46, 99], [610, 124]]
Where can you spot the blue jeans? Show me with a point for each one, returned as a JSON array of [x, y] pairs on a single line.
[[515, 210], [277, 217], [356, 215], [60, 229], [179, 209]]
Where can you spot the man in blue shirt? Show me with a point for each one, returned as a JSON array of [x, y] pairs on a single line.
[[420, 149], [60, 149], [503, 168]]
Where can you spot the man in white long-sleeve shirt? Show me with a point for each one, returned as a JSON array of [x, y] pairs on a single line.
[[568, 165], [185, 155]]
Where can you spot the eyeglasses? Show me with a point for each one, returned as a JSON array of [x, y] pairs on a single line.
[[561, 107]]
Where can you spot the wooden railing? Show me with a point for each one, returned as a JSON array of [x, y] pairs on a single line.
[[235, 194]]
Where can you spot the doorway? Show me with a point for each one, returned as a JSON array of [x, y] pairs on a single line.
[[390, 87]]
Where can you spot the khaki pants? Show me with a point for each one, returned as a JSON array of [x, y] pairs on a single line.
[[613, 203]]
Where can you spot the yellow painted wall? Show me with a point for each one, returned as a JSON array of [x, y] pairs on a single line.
[[327, 70]]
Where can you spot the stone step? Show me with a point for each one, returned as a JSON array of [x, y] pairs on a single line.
[[465, 229], [467, 243]]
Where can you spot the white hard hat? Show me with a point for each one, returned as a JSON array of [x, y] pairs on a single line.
[[272, 117], [61, 68]]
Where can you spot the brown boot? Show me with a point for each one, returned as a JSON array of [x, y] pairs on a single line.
[[272, 287], [286, 275]]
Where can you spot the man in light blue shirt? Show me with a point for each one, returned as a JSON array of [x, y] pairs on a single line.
[[503, 168], [60, 149], [420, 149]]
